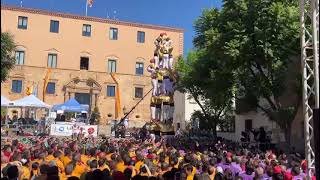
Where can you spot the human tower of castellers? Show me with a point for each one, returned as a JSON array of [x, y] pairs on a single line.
[[163, 79]]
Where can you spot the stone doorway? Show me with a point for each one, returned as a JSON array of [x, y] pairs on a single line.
[[85, 91], [83, 98]]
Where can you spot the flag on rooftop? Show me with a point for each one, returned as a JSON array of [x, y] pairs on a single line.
[[90, 3]]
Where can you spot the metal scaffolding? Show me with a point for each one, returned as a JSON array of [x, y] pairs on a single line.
[[309, 24]]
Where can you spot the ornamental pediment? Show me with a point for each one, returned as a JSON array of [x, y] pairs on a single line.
[[52, 50], [84, 84]]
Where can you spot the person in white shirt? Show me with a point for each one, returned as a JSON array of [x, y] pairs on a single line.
[[126, 123]]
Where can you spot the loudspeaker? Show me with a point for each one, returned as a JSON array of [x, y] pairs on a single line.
[[316, 133]]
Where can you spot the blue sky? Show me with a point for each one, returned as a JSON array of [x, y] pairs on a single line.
[[176, 13]]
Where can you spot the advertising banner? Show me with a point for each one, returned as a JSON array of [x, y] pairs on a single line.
[[69, 129], [89, 130], [61, 130]]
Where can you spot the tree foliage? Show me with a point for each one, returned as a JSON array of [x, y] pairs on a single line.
[[211, 93], [7, 54], [3, 112], [95, 116], [247, 47]]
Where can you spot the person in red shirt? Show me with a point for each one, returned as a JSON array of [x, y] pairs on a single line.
[[7, 151], [287, 176]]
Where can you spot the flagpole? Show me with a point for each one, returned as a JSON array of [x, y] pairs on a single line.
[[86, 7]]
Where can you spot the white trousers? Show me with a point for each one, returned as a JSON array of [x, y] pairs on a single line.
[[171, 63], [166, 112], [161, 64], [156, 61], [153, 112], [155, 87], [166, 61], [158, 114]]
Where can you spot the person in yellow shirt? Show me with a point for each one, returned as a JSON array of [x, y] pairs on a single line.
[[102, 155], [130, 171], [50, 156], [194, 170], [102, 164], [34, 169], [114, 157], [84, 157], [43, 169], [139, 162], [68, 171], [211, 172], [79, 167], [25, 169], [188, 169], [164, 168], [145, 171], [120, 166], [110, 152], [66, 159], [174, 162], [57, 158], [155, 160], [93, 165], [167, 160], [109, 156], [36, 159]]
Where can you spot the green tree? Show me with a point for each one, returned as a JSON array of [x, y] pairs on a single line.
[[256, 43], [211, 89], [3, 112], [7, 54], [95, 116]]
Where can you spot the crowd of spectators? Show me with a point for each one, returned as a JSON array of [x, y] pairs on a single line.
[[175, 158]]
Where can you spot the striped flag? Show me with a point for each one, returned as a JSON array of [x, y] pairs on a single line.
[[90, 3], [46, 81], [29, 90], [117, 98], [117, 104], [35, 90]]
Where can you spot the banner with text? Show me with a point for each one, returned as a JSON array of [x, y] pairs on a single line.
[[69, 129]]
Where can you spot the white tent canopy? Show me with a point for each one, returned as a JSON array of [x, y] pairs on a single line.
[[5, 101], [30, 101]]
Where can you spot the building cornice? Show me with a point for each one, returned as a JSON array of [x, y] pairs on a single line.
[[20, 67], [87, 18]]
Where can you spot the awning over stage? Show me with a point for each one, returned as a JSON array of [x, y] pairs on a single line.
[[71, 106], [30, 101]]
